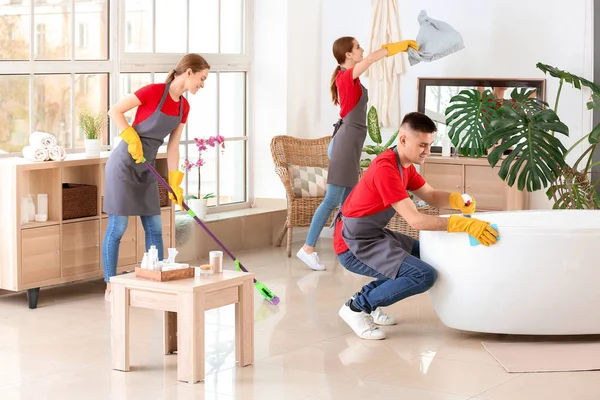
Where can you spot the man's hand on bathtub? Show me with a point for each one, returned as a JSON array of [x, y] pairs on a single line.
[[480, 230], [457, 202]]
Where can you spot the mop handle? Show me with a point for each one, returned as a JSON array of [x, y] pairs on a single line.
[[187, 208], [264, 291]]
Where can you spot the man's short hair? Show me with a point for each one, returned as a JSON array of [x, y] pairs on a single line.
[[417, 121]]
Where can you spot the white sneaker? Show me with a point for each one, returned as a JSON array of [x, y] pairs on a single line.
[[380, 318], [312, 259], [361, 323]]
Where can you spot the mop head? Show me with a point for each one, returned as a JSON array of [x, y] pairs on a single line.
[[436, 39], [183, 229]]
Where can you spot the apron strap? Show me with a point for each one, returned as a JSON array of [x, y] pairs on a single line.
[[336, 126], [337, 216], [400, 167]]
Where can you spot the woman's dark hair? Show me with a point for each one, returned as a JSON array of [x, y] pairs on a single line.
[[341, 46]]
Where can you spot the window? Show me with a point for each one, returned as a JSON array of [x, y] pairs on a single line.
[[152, 45], [55, 62], [64, 80]]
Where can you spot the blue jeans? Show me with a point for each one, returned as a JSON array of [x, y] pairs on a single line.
[[117, 225], [414, 277], [334, 196]]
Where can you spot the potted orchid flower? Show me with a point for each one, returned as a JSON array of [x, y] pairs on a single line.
[[200, 205]]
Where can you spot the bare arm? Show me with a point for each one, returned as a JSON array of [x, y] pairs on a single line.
[[367, 61], [117, 111], [173, 148], [434, 197], [419, 221]]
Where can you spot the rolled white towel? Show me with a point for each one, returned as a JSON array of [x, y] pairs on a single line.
[[33, 153], [42, 139], [57, 153]]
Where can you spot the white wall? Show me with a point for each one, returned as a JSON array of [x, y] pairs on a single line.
[[502, 40], [268, 98]]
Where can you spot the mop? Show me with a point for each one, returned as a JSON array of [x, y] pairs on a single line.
[[262, 289]]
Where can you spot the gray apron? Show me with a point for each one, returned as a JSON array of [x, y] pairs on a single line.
[[130, 188], [350, 133], [367, 238]]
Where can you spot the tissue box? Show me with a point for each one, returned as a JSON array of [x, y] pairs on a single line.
[[163, 276]]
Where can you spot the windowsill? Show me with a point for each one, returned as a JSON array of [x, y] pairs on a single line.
[[261, 206]]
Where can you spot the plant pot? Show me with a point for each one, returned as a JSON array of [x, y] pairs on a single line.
[[92, 147], [198, 206]]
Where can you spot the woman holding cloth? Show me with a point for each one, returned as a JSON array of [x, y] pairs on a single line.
[[349, 134], [130, 188]]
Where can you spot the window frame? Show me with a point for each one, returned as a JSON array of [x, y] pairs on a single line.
[[119, 61], [157, 63]]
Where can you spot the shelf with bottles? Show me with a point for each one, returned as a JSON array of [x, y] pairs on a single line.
[[39, 197]]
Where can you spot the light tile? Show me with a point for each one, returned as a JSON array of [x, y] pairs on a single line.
[[269, 382], [440, 375], [361, 389], [345, 356], [546, 386]]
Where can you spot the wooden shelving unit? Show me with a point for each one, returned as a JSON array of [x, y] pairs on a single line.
[[56, 251]]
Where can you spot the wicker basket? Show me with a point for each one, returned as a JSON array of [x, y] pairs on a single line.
[[79, 200], [163, 194], [399, 224]]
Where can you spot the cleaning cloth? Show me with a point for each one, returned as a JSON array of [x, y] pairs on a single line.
[[436, 39]]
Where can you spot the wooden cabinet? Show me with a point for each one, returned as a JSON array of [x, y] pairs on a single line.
[[80, 247], [40, 254], [56, 251], [476, 178]]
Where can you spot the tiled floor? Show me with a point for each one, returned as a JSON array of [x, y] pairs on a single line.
[[303, 350]]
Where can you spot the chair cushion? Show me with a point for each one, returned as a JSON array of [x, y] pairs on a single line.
[[308, 181]]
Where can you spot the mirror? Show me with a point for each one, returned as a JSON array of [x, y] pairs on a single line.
[[434, 96]]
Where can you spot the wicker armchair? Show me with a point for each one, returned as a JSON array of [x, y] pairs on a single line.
[[305, 152]]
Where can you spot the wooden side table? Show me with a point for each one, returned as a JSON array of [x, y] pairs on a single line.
[[184, 303]]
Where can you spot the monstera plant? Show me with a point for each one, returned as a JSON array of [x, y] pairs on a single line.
[[480, 124], [375, 135]]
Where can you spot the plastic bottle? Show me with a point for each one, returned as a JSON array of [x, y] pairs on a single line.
[[446, 146], [31, 208]]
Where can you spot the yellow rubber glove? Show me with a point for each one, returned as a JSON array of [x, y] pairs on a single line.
[[134, 144], [480, 230], [175, 178], [458, 203], [397, 47]]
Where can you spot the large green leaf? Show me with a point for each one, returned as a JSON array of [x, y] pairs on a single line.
[[538, 157], [521, 100], [575, 80], [373, 125], [392, 139], [468, 117], [573, 190]]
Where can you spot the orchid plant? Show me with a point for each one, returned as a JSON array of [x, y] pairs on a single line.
[[203, 144]]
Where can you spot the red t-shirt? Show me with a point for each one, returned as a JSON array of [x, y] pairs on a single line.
[[349, 91], [150, 96], [379, 188]]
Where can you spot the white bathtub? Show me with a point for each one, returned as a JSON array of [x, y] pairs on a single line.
[[541, 278]]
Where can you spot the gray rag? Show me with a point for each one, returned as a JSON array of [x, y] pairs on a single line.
[[436, 39]]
